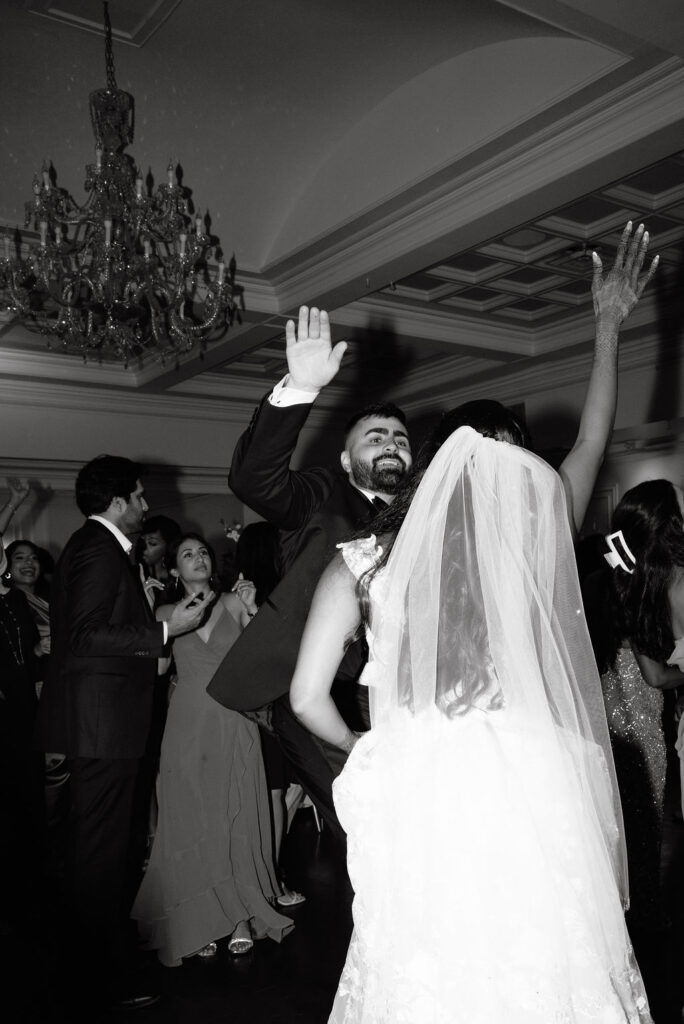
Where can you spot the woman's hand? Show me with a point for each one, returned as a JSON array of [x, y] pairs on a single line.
[[18, 489], [246, 591], [150, 584], [42, 647], [616, 294]]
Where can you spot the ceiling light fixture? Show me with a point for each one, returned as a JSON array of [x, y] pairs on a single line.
[[131, 271]]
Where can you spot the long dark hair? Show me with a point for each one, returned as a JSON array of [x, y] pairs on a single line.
[[167, 528], [636, 606], [489, 418]]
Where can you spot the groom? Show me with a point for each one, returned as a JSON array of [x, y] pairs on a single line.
[[314, 508]]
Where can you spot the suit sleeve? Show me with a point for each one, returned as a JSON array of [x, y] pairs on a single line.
[[99, 594], [260, 474]]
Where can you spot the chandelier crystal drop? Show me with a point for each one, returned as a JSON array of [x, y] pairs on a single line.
[[129, 272]]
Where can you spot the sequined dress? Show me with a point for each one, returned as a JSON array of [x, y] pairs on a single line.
[[635, 710]]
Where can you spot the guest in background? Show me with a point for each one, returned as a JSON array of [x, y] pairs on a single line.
[[150, 553], [96, 708], [21, 768], [25, 573], [635, 612], [156, 534], [257, 560], [211, 871]]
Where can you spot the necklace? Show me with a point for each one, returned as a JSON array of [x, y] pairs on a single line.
[[11, 629]]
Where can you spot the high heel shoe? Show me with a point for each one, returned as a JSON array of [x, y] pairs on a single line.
[[206, 952], [289, 898], [241, 941]]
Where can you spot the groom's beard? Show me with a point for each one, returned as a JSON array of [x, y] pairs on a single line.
[[387, 479]]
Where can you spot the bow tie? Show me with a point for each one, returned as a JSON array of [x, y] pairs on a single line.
[[379, 503]]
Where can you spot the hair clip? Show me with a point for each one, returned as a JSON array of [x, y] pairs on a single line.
[[614, 558]]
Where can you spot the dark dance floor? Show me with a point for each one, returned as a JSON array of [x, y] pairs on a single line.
[[294, 983]]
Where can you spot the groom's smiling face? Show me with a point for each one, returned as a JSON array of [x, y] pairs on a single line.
[[377, 455]]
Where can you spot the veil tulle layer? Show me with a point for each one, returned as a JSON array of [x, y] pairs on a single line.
[[478, 612]]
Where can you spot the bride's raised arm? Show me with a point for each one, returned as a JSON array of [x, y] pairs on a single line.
[[333, 621], [615, 295]]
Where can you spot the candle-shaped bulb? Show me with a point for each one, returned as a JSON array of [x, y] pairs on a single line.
[[58, 234], [198, 225], [108, 231], [169, 173], [43, 233], [221, 270], [98, 157], [46, 178], [182, 238], [138, 187]]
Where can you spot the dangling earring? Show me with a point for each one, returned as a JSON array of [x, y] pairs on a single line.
[[176, 586]]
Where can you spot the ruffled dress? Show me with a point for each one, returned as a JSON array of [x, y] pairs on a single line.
[[483, 894]]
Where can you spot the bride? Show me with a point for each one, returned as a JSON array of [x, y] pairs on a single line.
[[485, 840]]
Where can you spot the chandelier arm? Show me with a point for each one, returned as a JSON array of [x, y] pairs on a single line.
[[20, 296]]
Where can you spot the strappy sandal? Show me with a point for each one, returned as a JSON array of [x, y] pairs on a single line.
[[290, 898], [240, 944]]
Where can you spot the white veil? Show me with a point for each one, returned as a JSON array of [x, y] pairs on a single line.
[[481, 614]]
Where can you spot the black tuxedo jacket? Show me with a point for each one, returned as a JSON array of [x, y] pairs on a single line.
[[314, 508], [97, 698]]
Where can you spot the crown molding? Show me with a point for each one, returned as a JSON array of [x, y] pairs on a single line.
[[434, 325], [58, 395], [60, 475], [223, 398], [509, 386], [141, 20], [220, 400]]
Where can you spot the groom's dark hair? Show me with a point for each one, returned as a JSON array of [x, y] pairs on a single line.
[[388, 410]]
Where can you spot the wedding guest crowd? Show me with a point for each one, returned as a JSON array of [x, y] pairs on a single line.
[[145, 709]]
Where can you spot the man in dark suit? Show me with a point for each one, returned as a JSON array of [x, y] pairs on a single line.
[[96, 707], [314, 508]]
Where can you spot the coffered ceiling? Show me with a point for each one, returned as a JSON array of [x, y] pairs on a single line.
[[435, 176]]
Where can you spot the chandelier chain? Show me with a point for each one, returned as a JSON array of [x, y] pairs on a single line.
[[109, 52]]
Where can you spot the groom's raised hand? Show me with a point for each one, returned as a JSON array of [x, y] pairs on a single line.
[[312, 360]]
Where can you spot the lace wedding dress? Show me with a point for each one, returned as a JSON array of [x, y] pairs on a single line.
[[484, 840]]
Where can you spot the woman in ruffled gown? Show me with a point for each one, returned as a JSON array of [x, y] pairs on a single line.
[[211, 871]]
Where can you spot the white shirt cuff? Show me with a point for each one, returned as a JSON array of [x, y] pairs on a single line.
[[166, 632], [282, 395]]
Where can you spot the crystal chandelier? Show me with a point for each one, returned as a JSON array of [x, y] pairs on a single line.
[[127, 272]]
